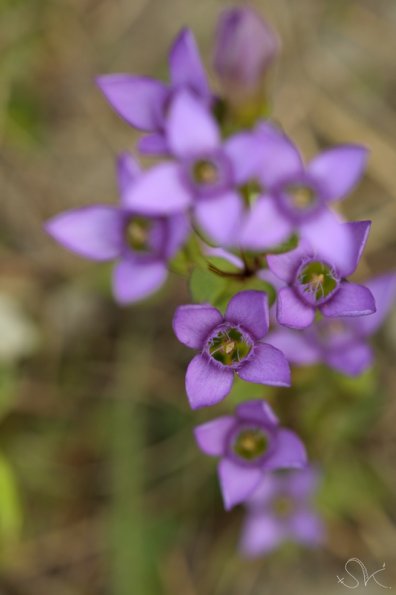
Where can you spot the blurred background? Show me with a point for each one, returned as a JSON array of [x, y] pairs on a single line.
[[102, 489]]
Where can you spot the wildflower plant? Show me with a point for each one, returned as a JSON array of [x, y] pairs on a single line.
[[232, 206]]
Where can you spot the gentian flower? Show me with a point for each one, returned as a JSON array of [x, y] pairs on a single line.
[[281, 509], [340, 344], [250, 443], [205, 176], [143, 102], [245, 48], [142, 245], [228, 345], [295, 197], [318, 283]]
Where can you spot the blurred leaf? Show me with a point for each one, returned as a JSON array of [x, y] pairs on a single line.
[[7, 389], [206, 286], [10, 509]]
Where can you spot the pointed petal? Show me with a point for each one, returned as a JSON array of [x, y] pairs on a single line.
[[237, 483], [280, 158], [267, 366], [261, 534], [352, 360], [350, 300], [138, 100], [193, 323], [186, 68], [133, 282], [359, 231], [207, 384], [383, 289], [307, 527], [211, 437], [191, 129], [257, 410], [285, 265], [338, 170], [265, 226], [250, 310], [93, 232], [159, 191], [295, 346], [220, 218], [289, 452], [153, 144], [128, 171], [292, 312], [243, 150]]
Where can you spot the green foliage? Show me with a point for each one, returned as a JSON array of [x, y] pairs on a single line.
[[10, 508]]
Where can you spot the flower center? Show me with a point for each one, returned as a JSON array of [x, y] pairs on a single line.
[[317, 280], [250, 444], [283, 506], [300, 197], [205, 172], [229, 346], [137, 233]]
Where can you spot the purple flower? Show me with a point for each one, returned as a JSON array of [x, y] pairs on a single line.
[[250, 443], [228, 345], [341, 344], [297, 197], [280, 510], [317, 282], [142, 244], [245, 48], [143, 102], [205, 176]]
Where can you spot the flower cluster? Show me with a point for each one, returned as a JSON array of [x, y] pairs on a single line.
[[234, 185]]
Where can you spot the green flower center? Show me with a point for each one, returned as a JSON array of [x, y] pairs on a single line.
[[205, 172], [137, 234], [251, 444], [317, 280], [283, 506], [229, 347], [300, 197]]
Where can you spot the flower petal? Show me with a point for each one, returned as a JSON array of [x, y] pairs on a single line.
[[192, 324], [307, 527], [191, 129], [267, 366], [211, 436], [207, 384], [352, 360], [280, 159], [128, 171], [285, 265], [297, 348], [250, 310], [257, 410], [186, 67], [358, 231], [351, 299], [237, 483], [94, 232], [265, 226], [139, 100], [338, 170], [261, 534], [289, 452], [243, 150], [301, 484], [133, 282], [292, 312], [153, 144], [159, 191], [220, 217], [178, 230], [383, 289]]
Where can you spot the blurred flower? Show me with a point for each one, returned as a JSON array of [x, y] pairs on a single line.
[[19, 335], [317, 283], [245, 48], [228, 344], [144, 102], [206, 175], [296, 197], [143, 244], [281, 509], [341, 344], [250, 443]]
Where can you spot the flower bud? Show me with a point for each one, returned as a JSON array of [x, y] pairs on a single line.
[[245, 48]]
